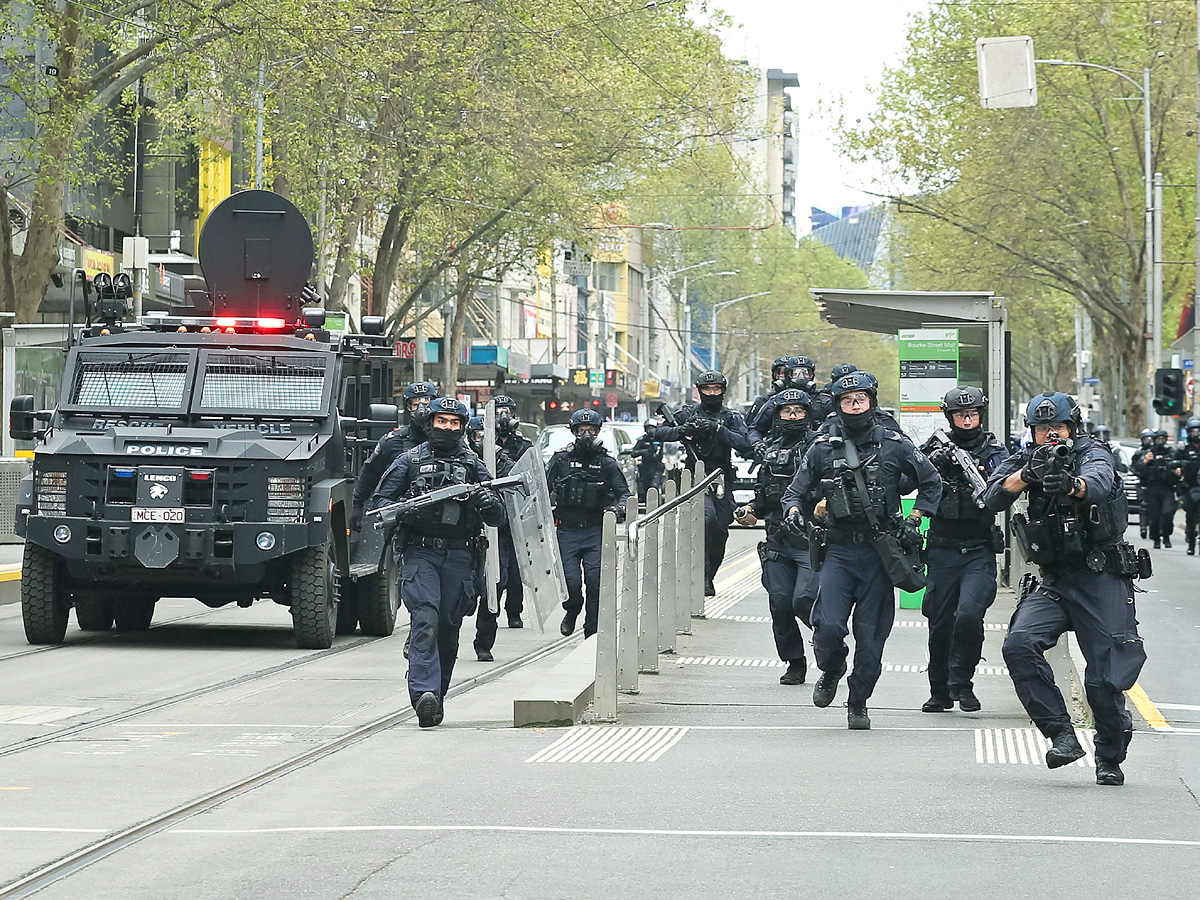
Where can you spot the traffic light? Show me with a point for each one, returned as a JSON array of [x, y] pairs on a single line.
[[551, 405], [595, 401], [1168, 392]]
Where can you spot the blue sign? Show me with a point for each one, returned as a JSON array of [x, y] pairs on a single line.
[[1091, 379], [1189, 363]]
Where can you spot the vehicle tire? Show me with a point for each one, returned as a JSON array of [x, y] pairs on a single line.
[[93, 613], [133, 613], [313, 582], [378, 600], [44, 604]]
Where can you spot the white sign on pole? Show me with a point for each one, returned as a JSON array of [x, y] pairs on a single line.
[[1007, 77]]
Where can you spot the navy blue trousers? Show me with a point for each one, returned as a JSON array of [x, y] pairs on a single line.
[[791, 587], [961, 588], [510, 587], [853, 582], [1100, 610], [438, 589], [718, 514], [580, 551]]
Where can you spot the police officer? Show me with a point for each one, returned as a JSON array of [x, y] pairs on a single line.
[[1189, 470], [797, 374], [709, 433], [485, 619], [515, 445], [648, 451], [1102, 435], [1147, 439], [823, 405], [441, 551], [584, 481], [790, 582], [1073, 529], [778, 383], [1159, 473], [417, 397], [852, 479], [963, 542]]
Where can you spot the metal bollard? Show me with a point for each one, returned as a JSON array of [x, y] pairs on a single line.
[[648, 608], [683, 567], [669, 594], [627, 612], [605, 691], [699, 563]]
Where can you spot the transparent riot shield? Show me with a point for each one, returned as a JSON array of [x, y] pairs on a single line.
[[493, 534], [536, 540]]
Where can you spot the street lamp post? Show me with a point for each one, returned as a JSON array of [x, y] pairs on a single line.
[[1153, 305], [717, 307], [667, 276], [687, 312]]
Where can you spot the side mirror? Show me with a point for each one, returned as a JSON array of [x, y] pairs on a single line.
[[22, 422], [372, 325], [384, 412]]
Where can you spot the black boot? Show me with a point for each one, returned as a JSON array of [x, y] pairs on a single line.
[[967, 701], [568, 623], [1167, 541], [427, 710], [856, 717], [709, 589], [1157, 544], [484, 655], [796, 672], [514, 621], [937, 703], [1191, 548], [826, 687], [1065, 749], [1108, 773]]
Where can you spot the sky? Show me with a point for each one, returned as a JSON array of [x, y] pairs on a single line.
[[838, 49]]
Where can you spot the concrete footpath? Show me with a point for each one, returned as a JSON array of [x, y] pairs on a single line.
[[716, 782]]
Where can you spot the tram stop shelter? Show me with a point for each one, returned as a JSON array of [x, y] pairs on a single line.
[[983, 349]]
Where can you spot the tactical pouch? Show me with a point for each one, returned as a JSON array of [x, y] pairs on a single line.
[[903, 569], [995, 541], [837, 499], [816, 547], [1145, 568], [950, 505], [1034, 539]]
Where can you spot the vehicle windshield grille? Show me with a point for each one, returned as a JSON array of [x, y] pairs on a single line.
[[139, 380], [260, 383]]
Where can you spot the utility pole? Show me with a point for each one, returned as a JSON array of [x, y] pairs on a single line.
[[553, 310], [261, 103]]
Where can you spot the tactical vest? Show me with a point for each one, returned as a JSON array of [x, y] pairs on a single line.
[[843, 499], [583, 488], [958, 497], [779, 465], [1062, 534], [427, 472]]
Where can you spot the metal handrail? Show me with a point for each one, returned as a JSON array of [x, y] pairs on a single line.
[[631, 530]]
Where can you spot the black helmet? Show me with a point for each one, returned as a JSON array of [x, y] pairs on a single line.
[[420, 389], [585, 417], [475, 423], [712, 377], [841, 370], [1193, 422], [792, 397], [963, 397], [780, 363], [1161, 433], [503, 401], [855, 381], [450, 406], [1102, 433], [1053, 406], [1147, 433], [808, 367]]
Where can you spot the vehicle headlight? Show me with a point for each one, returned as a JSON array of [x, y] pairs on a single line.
[[265, 541]]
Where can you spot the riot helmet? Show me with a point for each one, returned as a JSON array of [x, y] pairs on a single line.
[[1102, 433], [506, 406], [585, 425], [792, 407], [962, 400], [475, 434], [804, 370], [1160, 437], [1193, 430], [777, 370], [417, 397], [711, 400], [855, 417], [651, 427], [1053, 408], [1147, 437], [444, 434], [841, 370]]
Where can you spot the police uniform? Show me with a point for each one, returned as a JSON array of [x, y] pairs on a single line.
[[391, 446], [485, 619], [1156, 469], [583, 481], [710, 433], [1147, 439], [1086, 587], [789, 580], [441, 551], [785, 373], [1189, 464], [853, 575], [648, 451], [962, 542], [510, 440]]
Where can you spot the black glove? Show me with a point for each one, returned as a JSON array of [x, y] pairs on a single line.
[[942, 458], [1035, 464], [793, 524], [708, 427], [356, 514], [619, 512], [482, 496], [690, 428], [1058, 482], [759, 450], [910, 535]]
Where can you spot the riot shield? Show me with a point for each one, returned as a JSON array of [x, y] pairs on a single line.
[[535, 538], [492, 571]]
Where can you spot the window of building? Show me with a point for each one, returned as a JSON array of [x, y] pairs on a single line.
[[609, 276]]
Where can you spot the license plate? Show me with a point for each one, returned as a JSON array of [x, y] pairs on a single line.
[[152, 514]]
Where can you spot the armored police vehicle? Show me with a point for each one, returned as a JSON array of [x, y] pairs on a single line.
[[210, 456]]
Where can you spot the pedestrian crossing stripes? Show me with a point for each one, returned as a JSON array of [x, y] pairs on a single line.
[[1025, 746], [759, 663], [756, 619], [611, 745], [39, 715], [924, 623]]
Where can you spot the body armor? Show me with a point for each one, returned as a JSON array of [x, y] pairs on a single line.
[[427, 472], [780, 464], [1063, 534], [843, 499], [583, 487]]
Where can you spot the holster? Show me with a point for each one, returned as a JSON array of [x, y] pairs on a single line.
[[817, 545]]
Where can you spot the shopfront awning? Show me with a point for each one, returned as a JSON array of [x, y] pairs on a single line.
[[886, 312]]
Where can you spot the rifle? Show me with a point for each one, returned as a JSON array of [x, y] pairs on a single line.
[[688, 442], [387, 516], [967, 463]]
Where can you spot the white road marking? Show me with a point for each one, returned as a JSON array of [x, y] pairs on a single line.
[[233, 725], [760, 663], [39, 715], [924, 623], [758, 620], [683, 832], [32, 829], [1025, 746], [1181, 706], [605, 744], [247, 744]]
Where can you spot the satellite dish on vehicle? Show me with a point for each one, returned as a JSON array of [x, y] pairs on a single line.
[[256, 250]]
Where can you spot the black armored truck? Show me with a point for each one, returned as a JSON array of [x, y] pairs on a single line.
[[210, 453]]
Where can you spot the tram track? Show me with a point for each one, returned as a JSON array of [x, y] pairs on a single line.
[[98, 637], [66, 866]]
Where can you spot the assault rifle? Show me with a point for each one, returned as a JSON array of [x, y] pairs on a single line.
[[966, 462], [387, 516]]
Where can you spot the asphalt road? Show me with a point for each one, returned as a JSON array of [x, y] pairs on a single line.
[[730, 784]]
